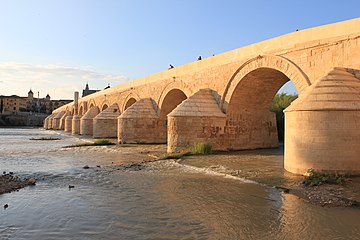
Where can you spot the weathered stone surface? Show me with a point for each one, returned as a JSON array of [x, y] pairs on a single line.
[[62, 120], [48, 121], [322, 126], [86, 122], [105, 123], [56, 120], [75, 125], [198, 119], [140, 123], [68, 124]]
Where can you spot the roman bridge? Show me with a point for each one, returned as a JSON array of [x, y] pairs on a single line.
[[224, 100]]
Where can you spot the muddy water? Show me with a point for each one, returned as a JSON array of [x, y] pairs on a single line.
[[196, 198]]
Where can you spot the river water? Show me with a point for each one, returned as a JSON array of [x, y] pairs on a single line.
[[194, 198]]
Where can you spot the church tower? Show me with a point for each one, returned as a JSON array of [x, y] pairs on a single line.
[[30, 96]]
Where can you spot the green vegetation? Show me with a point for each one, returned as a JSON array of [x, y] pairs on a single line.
[[279, 103], [99, 142], [317, 178], [201, 148], [103, 142], [176, 155]]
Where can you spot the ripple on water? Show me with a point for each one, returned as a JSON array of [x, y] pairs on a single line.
[[208, 199]]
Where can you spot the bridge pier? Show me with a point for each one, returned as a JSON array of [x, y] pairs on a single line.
[[68, 123], [47, 121], [105, 123], [140, 123], [322, 126], [75, 125], [197, 119], [56, 120], [86, 122], [62, 120]]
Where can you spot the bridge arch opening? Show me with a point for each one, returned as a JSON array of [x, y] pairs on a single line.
[[130, 102], [81, 111], [250, 121], [105, 106], [172, 99]]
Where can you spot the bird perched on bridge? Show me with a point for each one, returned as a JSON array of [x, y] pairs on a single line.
[[6, 206]]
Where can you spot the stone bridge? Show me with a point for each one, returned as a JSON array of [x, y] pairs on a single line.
[[224, 100]]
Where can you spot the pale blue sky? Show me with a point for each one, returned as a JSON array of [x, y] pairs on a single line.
[[55, 47]]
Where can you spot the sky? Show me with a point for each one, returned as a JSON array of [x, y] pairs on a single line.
[[56, 47]]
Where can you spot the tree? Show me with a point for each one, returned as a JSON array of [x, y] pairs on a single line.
[[279, 103]]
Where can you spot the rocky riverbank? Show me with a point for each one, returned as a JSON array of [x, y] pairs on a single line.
[[10, 183]]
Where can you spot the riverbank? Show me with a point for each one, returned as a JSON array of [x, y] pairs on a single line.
[[22, 119]]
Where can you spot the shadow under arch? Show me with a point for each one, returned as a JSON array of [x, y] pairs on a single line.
[[104, 106], [81, 110], [171, 100], [279, 63], [130, 99], [175, 84], [250, 123]]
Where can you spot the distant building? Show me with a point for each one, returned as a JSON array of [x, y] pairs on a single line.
[[14, 103], [88, 91]]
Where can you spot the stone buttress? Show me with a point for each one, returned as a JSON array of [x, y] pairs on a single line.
[[322, 126], [48, 121], [68, 123], [75, 124], [105, 123], [86, 122], [56, 120], [197, 119], [62, 120], [140, 123]]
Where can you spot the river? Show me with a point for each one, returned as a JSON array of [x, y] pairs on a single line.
[[199, 197]]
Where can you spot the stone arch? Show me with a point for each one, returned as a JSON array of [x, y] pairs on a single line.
[[130, 99], [279, 63], [171, 100], [81, 110], [173, 85], [247, 101], [91, 103], [73, 111], [104, 106]]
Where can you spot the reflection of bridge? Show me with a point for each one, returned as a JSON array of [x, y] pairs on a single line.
[[224, 100]]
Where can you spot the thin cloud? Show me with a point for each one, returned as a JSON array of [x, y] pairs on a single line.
[[60, 81]]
